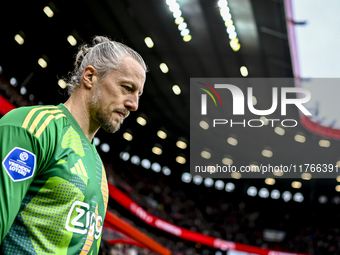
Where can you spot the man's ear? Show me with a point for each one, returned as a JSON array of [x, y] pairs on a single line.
[[89, 76]]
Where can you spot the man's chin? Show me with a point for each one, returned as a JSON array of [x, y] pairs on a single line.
[[109, 128]]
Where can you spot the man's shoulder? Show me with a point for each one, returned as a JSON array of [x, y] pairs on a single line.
[[25, 113], [36, 119]]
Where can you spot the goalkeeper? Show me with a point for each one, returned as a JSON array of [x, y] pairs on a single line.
[[53, 188]]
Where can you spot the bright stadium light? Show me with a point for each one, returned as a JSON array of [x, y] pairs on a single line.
[[47, 10], [161, 134], [230, 187], [219, 185], [124, 155], [96, 141], [127, 136], [275, 194], [187, 38], [179, 20], [181, 144], [186, 177], [71, 40], [156, 167], [135, 160], [323, 199], [264, 193], [206, 154], [286, 196], [180, 159], [141, 121], [175, 8], [269, 181], [236, 175], [279, 131], [62, 83], [252, 191], [105, 147], [197, 179], [185, 32], [208, 182], [146, 163], [157, 150], [176, 89], [300, 138], [13, 81], [204, 124], [18, 38], [298, 197], [166, 170], [182, 26], [148, 41], [164, 68], [42, 62], [324, 143], [232, 141]]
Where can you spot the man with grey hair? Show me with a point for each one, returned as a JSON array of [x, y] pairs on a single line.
[[53, 187]]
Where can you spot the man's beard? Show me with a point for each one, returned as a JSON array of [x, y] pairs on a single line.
[[103, 116]]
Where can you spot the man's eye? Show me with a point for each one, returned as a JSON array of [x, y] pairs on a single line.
[[127, 88]]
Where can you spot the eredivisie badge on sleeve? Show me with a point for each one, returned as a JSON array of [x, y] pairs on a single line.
[[19, 164]]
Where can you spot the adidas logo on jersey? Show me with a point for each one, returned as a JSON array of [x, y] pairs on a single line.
[[79, 169]]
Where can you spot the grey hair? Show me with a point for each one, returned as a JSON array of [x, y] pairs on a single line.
[[104, 55]]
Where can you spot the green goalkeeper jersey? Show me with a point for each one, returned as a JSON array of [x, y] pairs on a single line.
[[53, 188]]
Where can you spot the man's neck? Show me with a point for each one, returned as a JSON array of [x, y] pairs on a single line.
[[77, 106]]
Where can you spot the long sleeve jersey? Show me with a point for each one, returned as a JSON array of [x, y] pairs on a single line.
[[53, 187]]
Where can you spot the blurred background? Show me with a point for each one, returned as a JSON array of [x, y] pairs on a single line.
[[148, 159]]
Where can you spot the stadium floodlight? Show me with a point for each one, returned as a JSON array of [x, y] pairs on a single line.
[[264, 193], [230, 187], [208, 182], [146, 163], [219, 185], [252, 191], [105, 147], [176, 89], [336, 200], [323, 199], [286, 196], [124, 155], [156, 167], [135, 160], [13, 81], [96, 141], [23, 91], [197, 179], [166, 170], [298, 197], [186, 177], [275, 194]]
